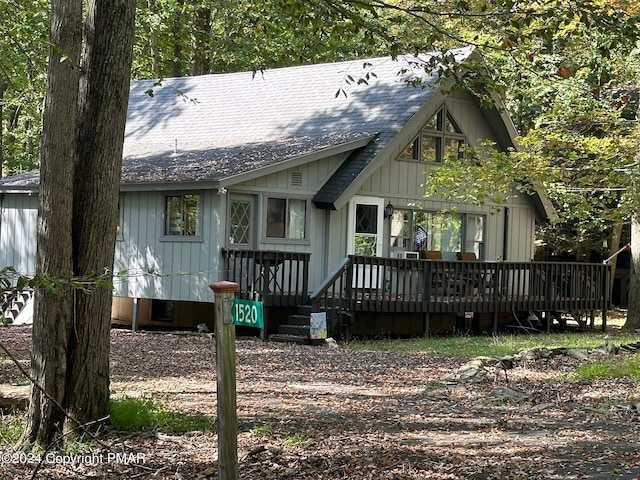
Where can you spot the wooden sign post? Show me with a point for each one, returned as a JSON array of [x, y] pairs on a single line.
[[224, 293]]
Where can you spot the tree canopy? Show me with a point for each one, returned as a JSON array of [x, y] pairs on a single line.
[[568, 72]]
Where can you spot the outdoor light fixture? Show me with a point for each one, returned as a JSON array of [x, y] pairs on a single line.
[[388, 210]]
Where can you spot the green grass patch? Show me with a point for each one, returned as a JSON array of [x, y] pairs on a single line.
[[262, 430], [616, 367], [132, 414], [291, 439], [11, 428], [485, 345]]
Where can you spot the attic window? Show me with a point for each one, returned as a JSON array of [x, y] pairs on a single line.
[[439, 138]]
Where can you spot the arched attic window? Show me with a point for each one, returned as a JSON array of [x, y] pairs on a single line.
[[439, 138]]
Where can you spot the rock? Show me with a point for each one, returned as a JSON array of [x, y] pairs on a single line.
[[472, 375], [501, 394], [542, 406], [528, 355], [331, 343], [545, 353], [578, 353]]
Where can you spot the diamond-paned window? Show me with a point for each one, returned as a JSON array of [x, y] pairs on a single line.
[[240, 222]]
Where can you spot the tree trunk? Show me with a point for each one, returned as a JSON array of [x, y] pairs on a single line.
[[614, 246], [2, 88], [177, 66], [200, 40], [53, 310], [102, 111], [81, 159], [154, 42], [633, 312]]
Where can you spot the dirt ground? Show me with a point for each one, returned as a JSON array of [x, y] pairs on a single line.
[[321, 413]]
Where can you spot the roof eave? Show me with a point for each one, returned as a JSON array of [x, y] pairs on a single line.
[[298, 160]]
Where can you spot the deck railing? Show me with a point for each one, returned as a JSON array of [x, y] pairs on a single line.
[[394, 285], [275, 277], [390, 285]]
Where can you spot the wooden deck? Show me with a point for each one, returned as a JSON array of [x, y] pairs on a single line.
[[390, 285]]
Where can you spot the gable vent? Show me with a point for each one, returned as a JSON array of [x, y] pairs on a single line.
[[296, 179]]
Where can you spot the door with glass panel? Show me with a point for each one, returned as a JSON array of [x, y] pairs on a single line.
[[365, 236]]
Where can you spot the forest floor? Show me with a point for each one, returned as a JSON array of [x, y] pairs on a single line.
[[314, 412]]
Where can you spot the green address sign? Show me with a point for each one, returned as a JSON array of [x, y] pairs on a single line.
[[247, 313]]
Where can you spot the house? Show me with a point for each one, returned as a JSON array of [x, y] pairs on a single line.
[[272, 179]]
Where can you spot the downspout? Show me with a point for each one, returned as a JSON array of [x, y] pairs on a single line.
[[505, 236], [327, 241]]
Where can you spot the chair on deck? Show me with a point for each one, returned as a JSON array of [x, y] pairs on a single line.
[[437, 279], [480, 279]]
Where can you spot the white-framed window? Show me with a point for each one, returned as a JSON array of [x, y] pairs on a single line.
[[286, 218], [439, 138], [182, 215], [448, 232]]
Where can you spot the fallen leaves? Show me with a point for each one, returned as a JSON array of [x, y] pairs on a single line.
[[318, 413]]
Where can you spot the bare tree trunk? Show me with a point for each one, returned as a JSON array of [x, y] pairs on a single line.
[[81, 159], [177, 68], [2, 88], [633, 312], [200, 40], [154, 48], [53, 319], [102, 110], [614, 246]]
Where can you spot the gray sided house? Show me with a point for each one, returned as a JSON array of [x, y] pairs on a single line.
[[296, 183]]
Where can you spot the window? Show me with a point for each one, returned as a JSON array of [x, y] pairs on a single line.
[[366, 231], [439, 138], [286, 218], [182, 215], [474, 235], [240, 222], [443, 231]]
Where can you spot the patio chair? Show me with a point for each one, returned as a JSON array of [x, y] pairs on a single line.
[[481, 280]]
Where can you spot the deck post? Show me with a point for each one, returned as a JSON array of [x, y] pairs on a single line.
[[224, 293], [264, 330], [426, 324], [135, 320]]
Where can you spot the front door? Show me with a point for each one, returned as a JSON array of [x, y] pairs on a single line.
[[366, 226], [365, 238]]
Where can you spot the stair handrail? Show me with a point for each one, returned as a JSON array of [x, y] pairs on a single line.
[[333, 277], [626, 247]]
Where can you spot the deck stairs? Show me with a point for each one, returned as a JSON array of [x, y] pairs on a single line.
[[13, 304], [297, 329]]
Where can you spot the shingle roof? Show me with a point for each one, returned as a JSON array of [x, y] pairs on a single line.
[[219, 163], [224, 124]]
